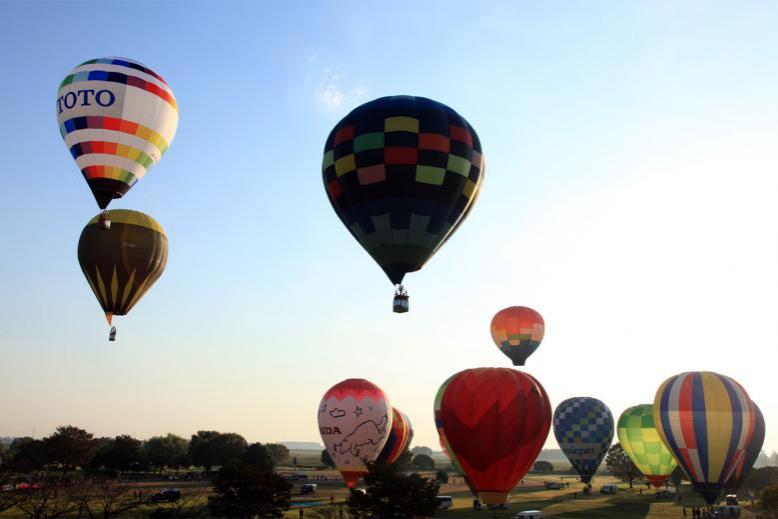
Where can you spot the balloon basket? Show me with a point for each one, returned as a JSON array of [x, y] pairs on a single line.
[[105, 219], [112, 334], [401, 302]]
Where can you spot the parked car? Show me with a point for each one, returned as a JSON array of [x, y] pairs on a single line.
[[552, 485], [664, 494], [529, 514], [308, 488], [444, 502], [609, 489], [729, 512], [171, 495], [297, 476]]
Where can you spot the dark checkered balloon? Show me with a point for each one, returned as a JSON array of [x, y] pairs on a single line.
[[402, 173], [583, 428]]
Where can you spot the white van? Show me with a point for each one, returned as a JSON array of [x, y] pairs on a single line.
[[530, 514], [444, 502]]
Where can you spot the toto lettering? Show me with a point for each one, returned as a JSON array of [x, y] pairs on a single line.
[[329, 430], [85, 97]]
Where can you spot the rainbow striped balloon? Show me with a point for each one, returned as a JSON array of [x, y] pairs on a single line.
[[117, 118], [707, 421], [399, 439]]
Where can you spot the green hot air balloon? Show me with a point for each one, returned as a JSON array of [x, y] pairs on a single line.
[[402, 173], [121, 263], [640, 440]]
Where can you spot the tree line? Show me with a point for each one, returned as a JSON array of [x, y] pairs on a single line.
[[70, 448]]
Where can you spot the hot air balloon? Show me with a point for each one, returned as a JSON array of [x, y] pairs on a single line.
[[354, 421], [583, 428], [400, 437], [640, 440], [517, 331], [496, 421], [442, 436], [752, 453], [402, 173], [118, 118], [707, 421], [122, 263]]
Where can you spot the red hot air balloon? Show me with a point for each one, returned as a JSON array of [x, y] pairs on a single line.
[[517, 331], [400, 437], [496, 420]]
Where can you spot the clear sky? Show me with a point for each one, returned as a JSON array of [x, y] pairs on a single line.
[[630, 197]]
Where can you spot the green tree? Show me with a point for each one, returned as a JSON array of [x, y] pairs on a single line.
[[243, 491], [441, 476], [421, 450], [405, 460], [258, 456], [761, 478], [423, 462], [544, 467], [620, 464], [26, 455], [210, 448], [326, 459], [70, 447], [278, 452], [123, 454], [167, 451], [768, 499], [390, 493]]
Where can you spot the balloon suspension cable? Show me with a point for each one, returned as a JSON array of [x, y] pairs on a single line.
[[112, 334], [105, 219], [401, 303]]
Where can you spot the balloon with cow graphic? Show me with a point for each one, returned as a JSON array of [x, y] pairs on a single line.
[[400, 437], [640, 440], [517, 332], [583, 427], [402, 173], [117, 117], [495, 421], [753, 449], [355, 419], [707, 420], [123, 262]]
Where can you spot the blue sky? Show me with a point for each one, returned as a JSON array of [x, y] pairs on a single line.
[[629, 197]]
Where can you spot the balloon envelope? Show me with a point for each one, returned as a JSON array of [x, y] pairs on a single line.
[[707, 421], [752, 453], [640, 440], [354, 421], [401, 173], [118, 118], [583, 428], [123, 262], [400, 437], [517, 331], [496, 421]]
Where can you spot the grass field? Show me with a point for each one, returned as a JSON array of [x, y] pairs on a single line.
[[531, 495]]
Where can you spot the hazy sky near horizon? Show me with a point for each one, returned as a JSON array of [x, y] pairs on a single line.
[[630, 197]]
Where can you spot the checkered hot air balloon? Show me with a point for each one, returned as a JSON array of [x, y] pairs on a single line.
[[517, 331], [640, 440], [495, 421], [117, 117], [123, 262], [708, 421], [583, 428], [402, 173]]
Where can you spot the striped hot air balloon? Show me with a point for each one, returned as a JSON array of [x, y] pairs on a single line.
[[117, 117], [123, 262], [640, 440], [707, 420], [400, 437], [743, 469]]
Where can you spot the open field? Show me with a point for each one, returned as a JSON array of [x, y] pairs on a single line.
[[565, 503]]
